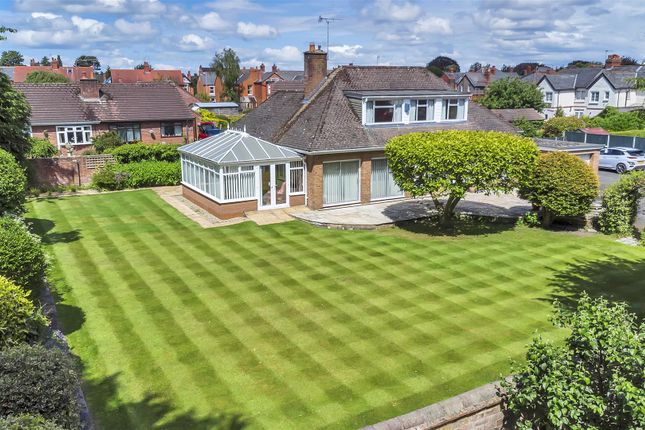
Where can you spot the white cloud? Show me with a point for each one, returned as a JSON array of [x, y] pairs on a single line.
[[350, 51], [87, 6], [193, 42], [161, 66], [286, 54], [45, 15], [88, 25], [213, 21], [133, 27], [389, 10], [45, 39], [229, 5], [433, 25], [249, 30]]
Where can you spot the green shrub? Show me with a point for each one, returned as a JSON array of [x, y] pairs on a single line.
[[20, 320], [613, 120], [137, 175], [529, 128], [529, 219], [555, 126], [39, 381], [136, 152], [22, 258], [620, 204], [27, 422], [106, 141], [41, 148], [13, 184], [562, 185]]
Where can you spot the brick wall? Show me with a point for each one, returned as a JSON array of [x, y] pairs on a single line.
[[220, 210], [78, 170], [478, 409]]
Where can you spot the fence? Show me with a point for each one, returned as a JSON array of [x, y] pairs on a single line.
[[610, 140], [57, 171]]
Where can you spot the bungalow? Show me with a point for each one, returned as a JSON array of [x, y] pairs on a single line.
[[73, 73], [338, 126], [72, 114]]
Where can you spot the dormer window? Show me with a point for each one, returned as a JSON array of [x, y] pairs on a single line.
[[383, 111], [422, 110]]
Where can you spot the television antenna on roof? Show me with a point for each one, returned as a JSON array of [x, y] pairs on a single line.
[[327, 20]]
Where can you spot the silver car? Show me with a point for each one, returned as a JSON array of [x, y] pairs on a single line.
[[622, 159]]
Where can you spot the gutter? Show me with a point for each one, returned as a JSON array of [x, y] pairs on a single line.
[[337, 151]]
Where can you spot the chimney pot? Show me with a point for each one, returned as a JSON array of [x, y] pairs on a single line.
[[54, 63], [89, 88], [274, 68], [312, 47], [262, 67], [146, 66]]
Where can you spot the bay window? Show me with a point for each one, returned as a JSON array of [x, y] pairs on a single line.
[[74, 135]]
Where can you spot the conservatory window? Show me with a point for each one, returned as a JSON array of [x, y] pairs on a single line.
[[239, 182], [297, 177]]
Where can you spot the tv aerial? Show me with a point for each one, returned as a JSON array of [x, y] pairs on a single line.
[[328, 21]]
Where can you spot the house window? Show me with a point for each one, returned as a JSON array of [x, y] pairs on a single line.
[[579, 113], [423, 110], [129, 132], [548, 96], [211, 90], [606, 96], [581, 94], [249, 89], [340, 182], [383, 185], [74, 135], [453, 109], [595, 97], [297, 177], [383, 111], [171, 129]]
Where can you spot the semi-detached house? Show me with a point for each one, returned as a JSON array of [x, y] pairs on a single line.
[[339, 125]]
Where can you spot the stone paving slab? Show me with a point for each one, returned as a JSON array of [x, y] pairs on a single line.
[[388, 213]]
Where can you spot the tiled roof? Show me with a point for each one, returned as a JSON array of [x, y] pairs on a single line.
[[208, 77], [511, 115], [479, 79], [328, 123], [288, 86], [73, 73], [129, 76], [53, 104]]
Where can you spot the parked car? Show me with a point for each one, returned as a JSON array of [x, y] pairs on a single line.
[[622, 159], [207, 129]]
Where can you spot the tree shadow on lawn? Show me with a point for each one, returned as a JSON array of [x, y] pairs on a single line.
[[152, 412], [42, 227], [615, 278], [463, 226]]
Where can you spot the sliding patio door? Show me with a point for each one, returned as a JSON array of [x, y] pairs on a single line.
[[341, 182], [383, 185]]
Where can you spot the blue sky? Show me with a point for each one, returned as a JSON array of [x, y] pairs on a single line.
[[185, 34]]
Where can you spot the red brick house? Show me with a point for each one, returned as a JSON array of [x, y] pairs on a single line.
[[209, 85], [152, 112], [255, 84], [73, 73]]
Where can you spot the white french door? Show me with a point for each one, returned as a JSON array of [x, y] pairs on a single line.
[[274, 186]]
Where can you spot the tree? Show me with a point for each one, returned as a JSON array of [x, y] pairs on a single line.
[[4, 29], [507, 68], [446, 64], [629, 61], [436, 71], [512, 93], [141, 66], [45, 77], [562, 185], [20, 320], [593, 381], [13, 184], [88, 61], [581, 64], [15, 112], [227, 67], [45, 61], [11, 58], [475, 67], [59, 61], [526, 68], [446, 164], [108, 74], [556, 126]]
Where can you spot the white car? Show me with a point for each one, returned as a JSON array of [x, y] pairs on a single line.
[[622, 159]]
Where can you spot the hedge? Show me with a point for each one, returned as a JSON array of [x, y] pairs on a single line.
[[13, 184], [135, 152], [20, 320], [137, 175], [620, 204], [27, 422], [39, 381], [22, 258]]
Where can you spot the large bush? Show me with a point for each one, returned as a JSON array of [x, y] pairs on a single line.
[[22, 258], [13, 184], [562, 185], [45, 77], [136, 152], [613, 120], [593, 381], [27, 422], [620, 204], [137, 175], [20, 320], [513, 94], [557, 125], [14, 119], [107, 141], [41, 148], [446, 164], [39, 381]]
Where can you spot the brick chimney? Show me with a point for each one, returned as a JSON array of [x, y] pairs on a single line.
[[315, 67], [493, 70], [262, 67], [89, 88], [146, 66], [54, 63], [32, 62], [613, 60], [274, 68]]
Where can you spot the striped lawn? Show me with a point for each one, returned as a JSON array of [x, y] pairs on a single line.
[[297, 327]]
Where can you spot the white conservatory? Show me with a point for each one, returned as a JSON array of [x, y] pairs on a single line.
[[234, 172]]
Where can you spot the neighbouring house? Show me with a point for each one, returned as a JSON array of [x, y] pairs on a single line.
[[587, 91], [147, 74], [511, 115], [338, 124], [73, 73], [255, 84], [477, 82], [219, 108], [209, 85], [74, 113]]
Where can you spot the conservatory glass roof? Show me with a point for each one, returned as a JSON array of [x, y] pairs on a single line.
[[238, 147]]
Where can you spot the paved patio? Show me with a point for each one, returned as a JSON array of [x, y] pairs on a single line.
[[387, 213]]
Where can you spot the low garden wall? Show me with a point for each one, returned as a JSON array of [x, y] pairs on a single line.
[[66, 171], [476, 409]]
